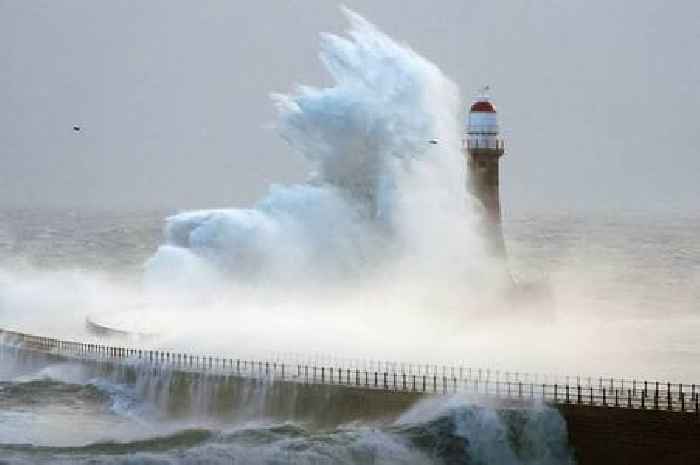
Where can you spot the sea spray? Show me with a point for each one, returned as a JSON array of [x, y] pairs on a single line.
[[380, 202], [255, 422], [258, 421], [463, 430], [375, 256]]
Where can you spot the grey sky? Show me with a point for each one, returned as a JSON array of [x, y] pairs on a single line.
[[598, 99]]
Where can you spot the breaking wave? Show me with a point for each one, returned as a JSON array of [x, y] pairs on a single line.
[[454, 432], [380, 197]]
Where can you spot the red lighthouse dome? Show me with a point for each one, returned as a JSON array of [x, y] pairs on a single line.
[[482, 120], [482, 106]]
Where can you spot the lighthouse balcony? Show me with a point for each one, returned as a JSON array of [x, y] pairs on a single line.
[[483, 143]]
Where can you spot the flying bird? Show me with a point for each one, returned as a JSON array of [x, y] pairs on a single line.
[[76, 128], [432, 141]]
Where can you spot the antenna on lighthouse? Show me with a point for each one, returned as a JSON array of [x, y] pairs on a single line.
[[484, 91]]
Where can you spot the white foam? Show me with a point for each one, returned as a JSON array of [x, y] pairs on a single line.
[[380, 199]]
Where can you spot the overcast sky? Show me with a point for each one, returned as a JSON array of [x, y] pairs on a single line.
[[599, 100]]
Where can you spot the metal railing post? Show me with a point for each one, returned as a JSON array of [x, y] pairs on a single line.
[[682, 396], [656, 396]]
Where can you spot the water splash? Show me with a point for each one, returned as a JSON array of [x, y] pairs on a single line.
[[462, 431], [380, 198], [215, 420]]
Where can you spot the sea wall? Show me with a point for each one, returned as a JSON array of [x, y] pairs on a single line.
[[619, 432], [622, 436], [187, 394]]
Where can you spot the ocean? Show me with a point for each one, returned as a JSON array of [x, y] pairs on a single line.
[[647, 266]]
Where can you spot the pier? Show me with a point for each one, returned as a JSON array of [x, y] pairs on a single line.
[[609, 420], [424, 380]]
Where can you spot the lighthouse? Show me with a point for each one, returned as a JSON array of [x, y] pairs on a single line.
[[483, 148]]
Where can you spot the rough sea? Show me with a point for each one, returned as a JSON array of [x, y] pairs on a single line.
[[57, 414]]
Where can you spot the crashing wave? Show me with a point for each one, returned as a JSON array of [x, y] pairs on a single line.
[[380, 195]]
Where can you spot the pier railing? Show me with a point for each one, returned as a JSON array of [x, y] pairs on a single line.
[[386, 376]]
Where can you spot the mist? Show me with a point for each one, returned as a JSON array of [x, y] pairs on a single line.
[[373, 257]]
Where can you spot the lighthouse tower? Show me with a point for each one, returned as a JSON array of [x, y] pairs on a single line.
[[483, 148]]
